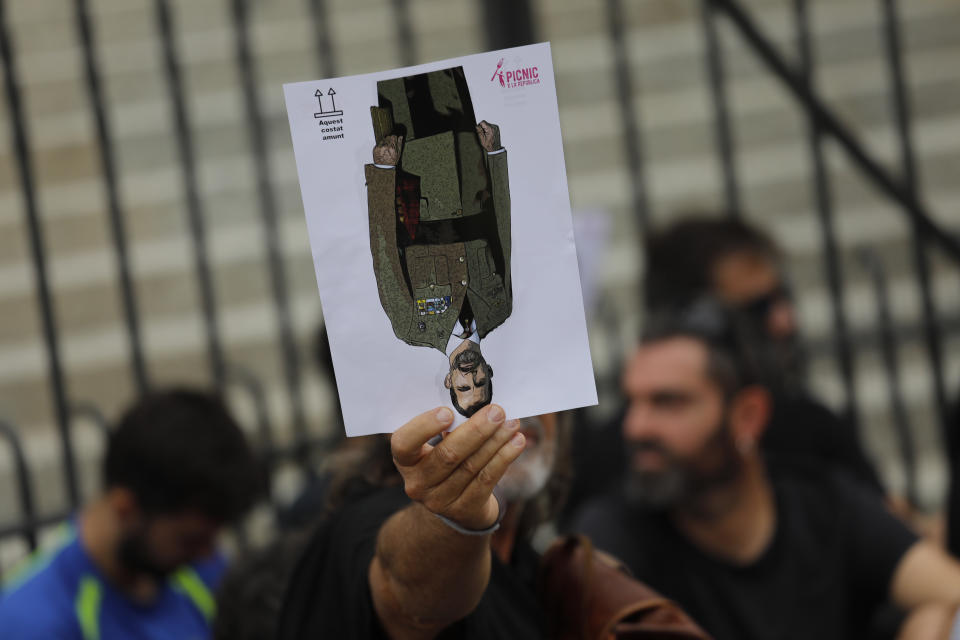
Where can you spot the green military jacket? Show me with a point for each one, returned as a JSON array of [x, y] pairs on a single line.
[[441, 276]]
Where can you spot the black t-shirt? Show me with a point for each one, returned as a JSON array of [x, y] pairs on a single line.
[[953, 495], [329, 594], [801, 428], [825, 572]]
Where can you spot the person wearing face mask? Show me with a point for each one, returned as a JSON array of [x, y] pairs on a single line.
[[740, 266], [139, 562], [418, 544]]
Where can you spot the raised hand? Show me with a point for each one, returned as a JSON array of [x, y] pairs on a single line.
[[388, 151], [455, 478], [489, 135]]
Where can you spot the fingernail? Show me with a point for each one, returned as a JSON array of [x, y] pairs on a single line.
[[444, 415], [495, 414], [511, 424], [518, 440]]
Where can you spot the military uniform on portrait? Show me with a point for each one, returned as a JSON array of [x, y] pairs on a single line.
[[439, 218]]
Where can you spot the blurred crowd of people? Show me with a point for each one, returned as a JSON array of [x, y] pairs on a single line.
[[724, 501]]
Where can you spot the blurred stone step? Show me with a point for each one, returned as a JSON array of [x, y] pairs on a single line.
[[96, 361], [674, 122], [139, 106], [684, 176], [877, 429], [171, 255], [43, 450], [670, 56], [89, 307], [695, 181], [128, 44]]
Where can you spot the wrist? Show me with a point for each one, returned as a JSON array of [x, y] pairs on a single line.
[[471, 529]]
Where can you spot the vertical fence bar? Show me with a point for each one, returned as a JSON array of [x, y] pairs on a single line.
[[322, 38], [901, 108], [268, 210], [246, 381], [718, 92], [92, 414], [114, 208], [24, 489], [408, 50], [631, 128], [509, 23], [891, 361], [21, 144], [831, 124], [195, 213], [825, 215], [89, 411]]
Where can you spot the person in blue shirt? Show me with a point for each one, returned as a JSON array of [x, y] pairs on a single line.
[[139, 562]]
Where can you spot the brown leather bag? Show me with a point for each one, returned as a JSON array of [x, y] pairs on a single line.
[[589, 595]]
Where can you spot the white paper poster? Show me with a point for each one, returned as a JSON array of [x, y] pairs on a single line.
[[439, 219]]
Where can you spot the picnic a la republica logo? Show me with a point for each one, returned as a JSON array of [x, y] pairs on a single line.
[[516, 75]]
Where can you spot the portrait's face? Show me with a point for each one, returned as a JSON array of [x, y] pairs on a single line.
[[675, 430], [471, 387], [470, 379]]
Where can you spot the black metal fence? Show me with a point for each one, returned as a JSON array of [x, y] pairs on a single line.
[[506, 24], [900, 189]]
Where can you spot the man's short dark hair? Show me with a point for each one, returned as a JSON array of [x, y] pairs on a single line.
[[680, 258], [180, 450], [472, 409], [733, 360]]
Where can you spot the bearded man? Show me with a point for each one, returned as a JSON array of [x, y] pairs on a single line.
[[751, 551]]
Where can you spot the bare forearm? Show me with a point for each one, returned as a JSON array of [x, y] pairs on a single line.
[[427, 575], [926, 575]]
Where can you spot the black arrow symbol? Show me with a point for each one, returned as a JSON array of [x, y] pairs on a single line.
[[332, 93], [319, 95]]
